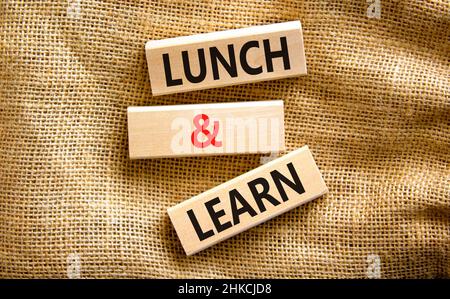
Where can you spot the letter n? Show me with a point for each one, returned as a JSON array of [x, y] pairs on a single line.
[[295, 184]]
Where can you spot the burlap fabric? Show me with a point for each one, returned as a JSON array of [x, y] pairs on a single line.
[[374, 109]]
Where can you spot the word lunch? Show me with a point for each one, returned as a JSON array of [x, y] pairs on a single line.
[[224, 58], [247, 200], [205, 129]]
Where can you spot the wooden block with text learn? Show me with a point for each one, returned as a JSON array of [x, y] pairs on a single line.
[[205, 129], [225, 58], [247, 200]]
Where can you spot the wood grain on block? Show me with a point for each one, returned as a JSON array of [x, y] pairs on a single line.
[[225, 58], [205, 129], [247, 200]]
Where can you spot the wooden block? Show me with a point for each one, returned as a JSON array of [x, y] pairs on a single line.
[[205, 129], [224, 58], [247, 200]]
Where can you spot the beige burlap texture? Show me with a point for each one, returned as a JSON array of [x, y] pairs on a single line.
[[374, 110]]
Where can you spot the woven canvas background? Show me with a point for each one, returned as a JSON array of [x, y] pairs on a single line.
[[374, 109]]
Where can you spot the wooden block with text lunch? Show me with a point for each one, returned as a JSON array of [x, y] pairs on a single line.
[[205, 129], [247, 200], [225, 58]]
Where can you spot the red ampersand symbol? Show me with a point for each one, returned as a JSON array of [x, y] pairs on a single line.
[[202, 128]]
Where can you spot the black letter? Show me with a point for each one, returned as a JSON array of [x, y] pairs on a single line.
[[296, 185], [271, 55], [263, 194], [215, 215], [201, 235], [168, 72], [230, 67], [187, 68], [243, 57], [246, 207]]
